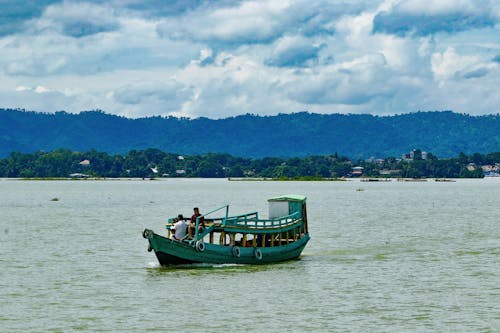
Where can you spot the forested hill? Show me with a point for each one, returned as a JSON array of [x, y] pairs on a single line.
[[300, 134]]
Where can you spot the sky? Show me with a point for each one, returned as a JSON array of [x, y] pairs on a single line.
[[217, 59]]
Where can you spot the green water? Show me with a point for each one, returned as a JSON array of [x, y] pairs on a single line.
[[394, 257]]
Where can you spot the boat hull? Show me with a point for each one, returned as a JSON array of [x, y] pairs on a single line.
[[171, 252]]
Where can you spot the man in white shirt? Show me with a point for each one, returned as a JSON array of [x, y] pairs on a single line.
[[179, 229]]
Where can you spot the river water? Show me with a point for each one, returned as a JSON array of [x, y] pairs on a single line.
[[383, 257]]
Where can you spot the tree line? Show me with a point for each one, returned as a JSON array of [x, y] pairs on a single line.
[[153, 163]]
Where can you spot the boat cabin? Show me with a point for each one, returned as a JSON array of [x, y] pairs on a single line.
[[286, 205]]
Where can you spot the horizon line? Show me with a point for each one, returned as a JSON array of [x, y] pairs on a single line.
[[101, 111]]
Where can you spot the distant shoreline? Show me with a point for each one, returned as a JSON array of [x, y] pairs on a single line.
[[155, 164], [301, 179], [82, 179], [251, 179]]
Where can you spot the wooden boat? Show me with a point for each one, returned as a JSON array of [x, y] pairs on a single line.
[[241, 239]]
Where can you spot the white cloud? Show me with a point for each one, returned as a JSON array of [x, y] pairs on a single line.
[[22, 88], [351, 83], [135, 45], [250, 22], [37, 89], [78, 19], [291, 51], [430, 17], [41, 90], [166, 97], [451, 65], [439, 7], [38, 98], [231, 85], [225, 58], [36, 65], [256, 21]]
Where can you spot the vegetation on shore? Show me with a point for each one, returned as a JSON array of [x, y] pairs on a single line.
[[151, 163]]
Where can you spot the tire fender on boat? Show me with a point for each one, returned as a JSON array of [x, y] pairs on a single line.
[[200, 246], [147, 233], [150, 248], [258, 254], [236, 251]]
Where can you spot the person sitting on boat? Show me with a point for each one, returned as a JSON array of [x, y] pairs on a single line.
[[179, 229], [192, 224]]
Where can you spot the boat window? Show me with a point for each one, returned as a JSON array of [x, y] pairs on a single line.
[[278, 209]]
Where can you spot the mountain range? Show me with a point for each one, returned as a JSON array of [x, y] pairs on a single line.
[[444, 133]]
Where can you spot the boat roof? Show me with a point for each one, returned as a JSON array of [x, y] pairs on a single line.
[[289, 197]]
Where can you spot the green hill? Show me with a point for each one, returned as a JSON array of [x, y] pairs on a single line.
[[444, 133]]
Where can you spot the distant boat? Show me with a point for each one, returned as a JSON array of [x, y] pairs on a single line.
[[376, 179], [412, 179], [79, 175], [241, 239]]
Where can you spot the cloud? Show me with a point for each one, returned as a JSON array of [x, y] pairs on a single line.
[[170, 95], [449, 65], [78, 19], [234, 84], [351, 83], [38, 98], [15, 14], [38, 66], [251, 22], [248, 22], [294, 51], [223, 58], [423, 18], [37, 89], [50, 52], [476, 73], [161, 8]]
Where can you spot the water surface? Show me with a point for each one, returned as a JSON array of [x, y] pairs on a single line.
[[386, 257]]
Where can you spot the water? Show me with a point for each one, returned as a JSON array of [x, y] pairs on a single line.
[[384, 257]]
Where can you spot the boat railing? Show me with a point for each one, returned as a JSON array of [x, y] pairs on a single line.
[[255, 222], [245, 221], [213, 223], [244, 218]]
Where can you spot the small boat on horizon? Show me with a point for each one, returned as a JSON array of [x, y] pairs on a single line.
[[376, 179], [240, 239], [412, 179]]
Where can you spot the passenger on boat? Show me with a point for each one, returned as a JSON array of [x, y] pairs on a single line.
[[179, 229], [192, 224]]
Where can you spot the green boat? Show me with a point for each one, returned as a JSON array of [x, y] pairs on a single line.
[[241, 239]]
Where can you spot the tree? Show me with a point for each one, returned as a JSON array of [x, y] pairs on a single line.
[[236, 171], [209, 169]]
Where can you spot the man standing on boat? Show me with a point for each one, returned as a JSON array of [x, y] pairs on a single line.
[[192, 224], [179, 229]]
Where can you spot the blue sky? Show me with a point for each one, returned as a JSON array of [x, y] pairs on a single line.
[[223, 58]]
